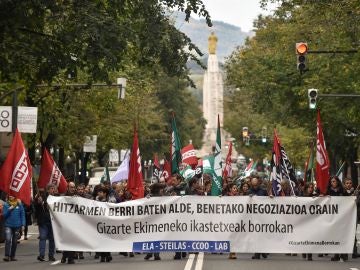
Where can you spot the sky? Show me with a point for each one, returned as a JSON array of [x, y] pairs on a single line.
[[237, 12]]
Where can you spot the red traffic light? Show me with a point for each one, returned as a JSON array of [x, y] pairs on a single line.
[[301, 48]]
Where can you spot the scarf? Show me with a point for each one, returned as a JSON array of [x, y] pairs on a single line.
[[13, 202]]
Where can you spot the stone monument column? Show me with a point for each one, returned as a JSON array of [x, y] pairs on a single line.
[[212, 95], [212, 99]]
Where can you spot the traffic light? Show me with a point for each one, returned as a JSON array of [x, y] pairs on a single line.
[[312, 94], [301, 51]]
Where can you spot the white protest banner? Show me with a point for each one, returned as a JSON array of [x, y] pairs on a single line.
[[5, 119], [27, 119], [206, 224]]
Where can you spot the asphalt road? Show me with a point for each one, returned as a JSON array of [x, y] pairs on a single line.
[[28, 251]]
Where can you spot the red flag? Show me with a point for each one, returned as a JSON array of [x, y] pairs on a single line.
[[50, 173], [166, 170], [16, 172], [322, 159], [228, 169], [156, 171], [189, 156], [135, 181]]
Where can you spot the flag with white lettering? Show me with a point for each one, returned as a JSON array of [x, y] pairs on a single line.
[[166, 173], [322, 159], [188, 155], [281, 168], [156, 172], [50, 173], [16, 171], [135, 182]]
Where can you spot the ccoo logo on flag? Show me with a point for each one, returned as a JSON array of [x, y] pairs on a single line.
[[55, 175], [20, 173]]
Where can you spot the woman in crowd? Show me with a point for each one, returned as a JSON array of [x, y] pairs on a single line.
[[244, 189], [309, 191], [335, 188], [14, 216]]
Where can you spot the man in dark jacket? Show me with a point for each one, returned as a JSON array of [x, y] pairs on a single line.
[[256, 190], [157, 190], [69, 255], [44, 222]]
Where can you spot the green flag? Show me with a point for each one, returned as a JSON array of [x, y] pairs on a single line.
[[208, 168], [217, 188], [175, 148], [340, 171], [187, 173], [106, 175]]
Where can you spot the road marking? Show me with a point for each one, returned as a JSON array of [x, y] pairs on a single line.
[[354, 268], [189, 262], [56, 262], [199, 261]]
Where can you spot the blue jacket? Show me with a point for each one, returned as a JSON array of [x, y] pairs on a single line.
[[14, 218]]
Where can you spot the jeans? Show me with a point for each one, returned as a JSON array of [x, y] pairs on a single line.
[[11, 237], [46, 232]]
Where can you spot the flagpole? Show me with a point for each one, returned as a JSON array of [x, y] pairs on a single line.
[[308, 160]]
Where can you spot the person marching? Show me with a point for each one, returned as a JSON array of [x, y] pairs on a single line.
[[14, 215], [44, 222], [157, 190]]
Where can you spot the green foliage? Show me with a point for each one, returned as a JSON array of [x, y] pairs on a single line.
[[264, 72], [41, 42]]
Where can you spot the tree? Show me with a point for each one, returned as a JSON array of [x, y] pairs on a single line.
[[95, 41], [265, 69]]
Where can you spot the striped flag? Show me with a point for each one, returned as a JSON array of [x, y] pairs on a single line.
[[216, 188], [281, 168], [340, 172]]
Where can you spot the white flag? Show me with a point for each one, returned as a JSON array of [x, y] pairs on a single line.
[[122, 173]]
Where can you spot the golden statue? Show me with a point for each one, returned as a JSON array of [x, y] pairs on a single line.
[[212, 43]]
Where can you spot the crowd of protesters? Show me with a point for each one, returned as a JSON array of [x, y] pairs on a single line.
[[17, 217]]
